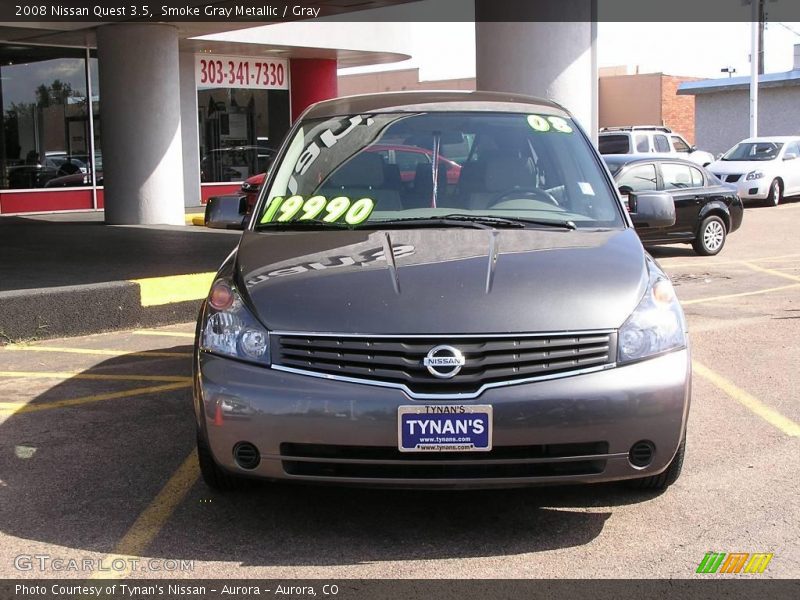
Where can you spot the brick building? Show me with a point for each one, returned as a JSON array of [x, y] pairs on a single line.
[[645, 99], [677, 112], [397, 81]]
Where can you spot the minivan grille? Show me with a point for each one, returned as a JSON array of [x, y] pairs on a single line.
[[733, 178], [488, 359], [323, 460]]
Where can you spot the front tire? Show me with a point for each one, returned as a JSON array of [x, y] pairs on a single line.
[[775, 193], [663, 480], [710, 237], [215, 477]]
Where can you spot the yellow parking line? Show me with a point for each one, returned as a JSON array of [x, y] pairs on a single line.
[[749, 401], [150, 522], [95, 351], [164, 333], [739, 295], [771, 271], [21, 407], [156, 291], [97, 376], [714, 263], [771, 258]]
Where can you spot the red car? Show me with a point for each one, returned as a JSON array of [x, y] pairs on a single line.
[[407, 158]]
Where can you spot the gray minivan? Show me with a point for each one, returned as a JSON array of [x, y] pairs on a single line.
[[387, 321]]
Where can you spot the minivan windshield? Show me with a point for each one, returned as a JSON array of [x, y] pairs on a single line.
[[451, 169], [754, 151]]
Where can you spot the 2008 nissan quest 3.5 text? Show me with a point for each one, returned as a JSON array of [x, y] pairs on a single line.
[[480, 313]]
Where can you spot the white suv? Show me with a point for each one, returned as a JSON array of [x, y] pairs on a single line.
[[650, 140]]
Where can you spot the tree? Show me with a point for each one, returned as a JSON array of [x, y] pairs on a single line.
[[56, 93]]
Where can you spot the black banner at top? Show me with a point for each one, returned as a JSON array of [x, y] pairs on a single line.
[[269, 11]]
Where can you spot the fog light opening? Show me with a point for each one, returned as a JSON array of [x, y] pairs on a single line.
[[246, 455], [641, 453]]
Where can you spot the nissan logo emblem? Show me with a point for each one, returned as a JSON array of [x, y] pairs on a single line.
[[444, 362]]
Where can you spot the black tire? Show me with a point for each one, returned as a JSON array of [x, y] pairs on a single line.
[[711, 236], [663, 480], [775, 193], [215, 477]]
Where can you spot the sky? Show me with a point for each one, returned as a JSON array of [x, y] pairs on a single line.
[[447, 50], [694, 49]]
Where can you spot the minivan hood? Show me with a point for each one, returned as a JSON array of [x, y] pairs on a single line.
[[442, 281]]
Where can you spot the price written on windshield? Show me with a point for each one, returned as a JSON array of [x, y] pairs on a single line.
[[237, 72]]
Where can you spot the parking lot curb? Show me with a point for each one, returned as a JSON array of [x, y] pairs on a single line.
[[158, 291], [94, 308]]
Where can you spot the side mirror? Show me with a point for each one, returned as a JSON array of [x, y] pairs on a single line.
[[692, 149], [226, 212], [651, 210], [624, 193], [789, 156]]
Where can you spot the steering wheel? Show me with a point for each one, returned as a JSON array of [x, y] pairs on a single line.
[[532, 193]]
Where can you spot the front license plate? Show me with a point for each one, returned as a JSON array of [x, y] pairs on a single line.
[[444, 428]]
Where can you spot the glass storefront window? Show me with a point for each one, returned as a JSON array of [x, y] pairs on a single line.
[[44, 128], [239, 131]]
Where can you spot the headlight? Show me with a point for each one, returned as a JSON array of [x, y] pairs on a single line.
[[657, 325], [229, 328], [754, 175]]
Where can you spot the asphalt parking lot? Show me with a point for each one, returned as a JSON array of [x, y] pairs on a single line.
[[97, 461]]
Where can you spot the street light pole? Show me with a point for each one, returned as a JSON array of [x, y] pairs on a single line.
[[755, 5]]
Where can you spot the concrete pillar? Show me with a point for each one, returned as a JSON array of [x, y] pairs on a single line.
[[548, 51], [141, 123], [190, 136], [312, 80]]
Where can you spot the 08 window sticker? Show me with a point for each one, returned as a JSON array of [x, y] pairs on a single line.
[[546, 123]]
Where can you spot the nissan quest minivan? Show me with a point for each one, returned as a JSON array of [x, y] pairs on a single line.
[[498, 328]]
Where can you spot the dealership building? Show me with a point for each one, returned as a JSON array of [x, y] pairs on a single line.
[[144, 119], [147, 114]]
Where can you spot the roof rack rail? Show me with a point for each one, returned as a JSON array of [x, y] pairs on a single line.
[[638, 128]]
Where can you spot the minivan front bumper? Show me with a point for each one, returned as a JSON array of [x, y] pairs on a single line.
[[570, 430]]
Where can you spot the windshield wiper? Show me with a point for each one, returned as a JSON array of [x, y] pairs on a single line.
[[545, 223], [446, 220], [477, 221], [304, 224], [454, 220]]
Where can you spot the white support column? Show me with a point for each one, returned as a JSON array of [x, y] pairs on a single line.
[[548, 58], [189, 131], [141, 124]]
